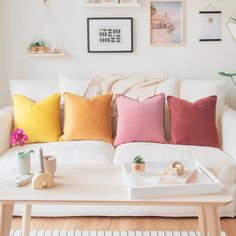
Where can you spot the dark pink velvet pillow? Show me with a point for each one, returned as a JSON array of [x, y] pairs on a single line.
[[193, 123]]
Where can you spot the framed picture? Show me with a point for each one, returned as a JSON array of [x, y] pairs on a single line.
[[210, 26], [110, 35], [166, 22]]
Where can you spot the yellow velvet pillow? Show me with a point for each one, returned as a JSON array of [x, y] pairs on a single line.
[[39, 120], [87, 119]]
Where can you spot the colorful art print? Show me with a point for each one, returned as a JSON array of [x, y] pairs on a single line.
[[110, 35], [166, 22]]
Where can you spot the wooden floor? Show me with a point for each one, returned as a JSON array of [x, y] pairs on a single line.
[[123, 223]]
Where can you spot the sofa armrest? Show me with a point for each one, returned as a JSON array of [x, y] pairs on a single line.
[[6, 124], [228, 131]]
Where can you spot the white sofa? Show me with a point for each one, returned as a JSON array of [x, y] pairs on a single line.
[[221, 162]]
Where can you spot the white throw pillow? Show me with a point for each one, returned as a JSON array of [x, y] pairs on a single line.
[[35, 89], [192, 90], [73, 84]]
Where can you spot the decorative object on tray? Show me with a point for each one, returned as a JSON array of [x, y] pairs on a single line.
[[50, 164], [42, 179], [107, 35], [18, 137], [138, 164], [210, 23], [166, 22], [229, 75], [47, 40], [175, 168], [152, 183]]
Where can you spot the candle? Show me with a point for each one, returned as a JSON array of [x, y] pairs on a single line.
[[41, 160]]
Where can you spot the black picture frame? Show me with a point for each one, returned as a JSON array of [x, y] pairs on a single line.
[[130, 50]]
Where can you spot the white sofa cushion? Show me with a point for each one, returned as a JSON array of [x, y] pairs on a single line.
[[6, 123], [192, 90], [35, 89], [212, 158], [73, 84], [67, 153]]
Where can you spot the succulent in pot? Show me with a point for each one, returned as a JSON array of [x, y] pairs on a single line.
[[34, 47], [42, 48], [138, 164]]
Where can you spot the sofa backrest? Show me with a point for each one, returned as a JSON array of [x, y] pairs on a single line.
[[190, 90], [36, 89]]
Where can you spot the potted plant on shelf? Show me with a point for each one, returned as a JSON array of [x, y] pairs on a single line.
[[34, 47], [138, 164], [23, 158], [42, 48]]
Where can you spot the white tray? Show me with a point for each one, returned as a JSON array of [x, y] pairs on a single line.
[[202, 182]]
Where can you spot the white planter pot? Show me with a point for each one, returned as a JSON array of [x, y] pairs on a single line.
[[23, 165]]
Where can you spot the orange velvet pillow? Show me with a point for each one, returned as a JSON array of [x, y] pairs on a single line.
[[87, 119]]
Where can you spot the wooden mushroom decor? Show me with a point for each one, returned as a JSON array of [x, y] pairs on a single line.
[[42, 179]]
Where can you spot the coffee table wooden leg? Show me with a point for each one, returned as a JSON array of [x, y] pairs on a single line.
[[26, 220], [6, 219], [202, 221], [213, 221]]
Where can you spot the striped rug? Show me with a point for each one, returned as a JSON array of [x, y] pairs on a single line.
[[107, 233]]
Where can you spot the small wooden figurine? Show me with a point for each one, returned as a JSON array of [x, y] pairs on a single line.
[[42, 179], [175, 168]]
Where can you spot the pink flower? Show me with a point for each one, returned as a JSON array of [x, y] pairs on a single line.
[[18, 137]]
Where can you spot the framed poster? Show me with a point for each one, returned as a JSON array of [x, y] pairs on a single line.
[[166, 22], [110, 35], [210, 26]]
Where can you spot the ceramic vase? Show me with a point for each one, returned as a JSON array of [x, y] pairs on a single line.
[[24, 165]]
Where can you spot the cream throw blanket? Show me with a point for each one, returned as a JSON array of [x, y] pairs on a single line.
[[136, 87]]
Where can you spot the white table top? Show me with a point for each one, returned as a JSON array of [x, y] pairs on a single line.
[[98, 185]]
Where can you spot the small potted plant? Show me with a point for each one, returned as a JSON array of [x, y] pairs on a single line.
[[23, 158], [42, 48], [34, 47], [138, 164]]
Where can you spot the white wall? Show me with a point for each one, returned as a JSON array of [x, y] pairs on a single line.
[[194, 60], [4, 89]]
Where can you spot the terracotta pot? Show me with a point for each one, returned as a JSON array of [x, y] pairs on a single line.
[[139, 168], [34, 49], [42, 49]]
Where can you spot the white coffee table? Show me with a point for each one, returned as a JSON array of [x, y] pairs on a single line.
[[101, 185]]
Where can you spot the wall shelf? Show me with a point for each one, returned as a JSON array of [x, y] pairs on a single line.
[[45, 54], [115, 5]]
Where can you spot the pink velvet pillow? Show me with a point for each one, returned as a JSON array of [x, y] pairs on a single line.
[[140, 121], [193, 123]]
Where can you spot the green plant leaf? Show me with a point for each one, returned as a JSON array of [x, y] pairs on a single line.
[[227, 74], [138, 159]]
